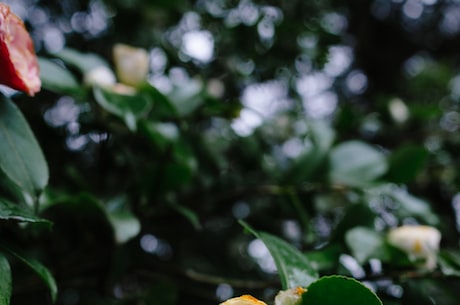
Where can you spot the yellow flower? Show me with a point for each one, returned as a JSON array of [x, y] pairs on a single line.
[[243, 300], [131, 64], [419, 242]]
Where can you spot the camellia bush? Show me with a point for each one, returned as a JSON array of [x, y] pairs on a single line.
[[229, 152]]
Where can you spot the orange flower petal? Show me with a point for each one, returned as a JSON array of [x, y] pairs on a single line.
[[19, 66], [243, 300]]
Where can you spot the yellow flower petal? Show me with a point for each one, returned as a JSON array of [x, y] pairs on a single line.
[[243, 300]]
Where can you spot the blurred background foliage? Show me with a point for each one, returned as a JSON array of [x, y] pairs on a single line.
[[322, 122]]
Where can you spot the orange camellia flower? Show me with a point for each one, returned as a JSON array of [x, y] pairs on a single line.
[[18, 63], [243, 300]]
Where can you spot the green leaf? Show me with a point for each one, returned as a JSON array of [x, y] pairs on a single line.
[[427, 291], [22, 213], [294, 268], [408, 205], [56, 78], [449, 262], [41, 270], [356, 215], [5, 281], [189, 214], [365, 243], [21, 158], [335, 289], [84, 62], [356, 164], [187, 97], [124, 223], [406, 162], [163, 107], [162, 135], [303, 167], [127, 107]]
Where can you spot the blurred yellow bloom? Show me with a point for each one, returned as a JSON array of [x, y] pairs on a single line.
[[419, 242], [243, 300], [131, 64]]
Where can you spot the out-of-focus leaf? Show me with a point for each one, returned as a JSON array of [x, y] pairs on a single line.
[[182, 168], [12, 211], [41, 270], [449, 262], [188, 214], [321, 136], [294, 269], [162, 106], [161, 293], [56, 78], [334, 290], [406, 163], [187, 97], [85, 62], [408, 205], [21, 158], [356, 215], [326, 258], [365, 243], [356, 164], [5, 281], [428, 291], [125, 224], [161, 134], [218, 108], [130, 108]]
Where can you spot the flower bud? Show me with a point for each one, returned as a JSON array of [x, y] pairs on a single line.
[[243, 300], [291, 296], [131, 64], [18, 62], [419, 242], [100, 76]]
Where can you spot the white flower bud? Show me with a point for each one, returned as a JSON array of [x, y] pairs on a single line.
[[243, 300], [100, 76], [289, 297], [419, 242], [131, 64]]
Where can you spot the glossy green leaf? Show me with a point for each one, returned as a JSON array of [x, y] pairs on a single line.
[[335, 290], [365, 243], [21, 158], [356, 164], [294, 269], [41, 270], [21, 213], [124, 223], [127, 107], [56, 78], [85, 62], [5, 281]]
